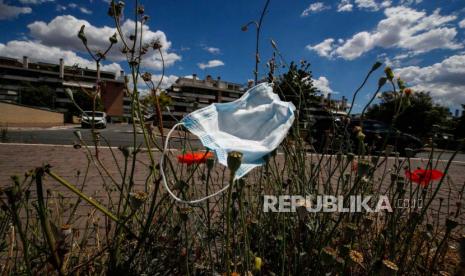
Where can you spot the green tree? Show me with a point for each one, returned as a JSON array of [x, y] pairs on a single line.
[[417, 118], [42, 96], [296, 86]]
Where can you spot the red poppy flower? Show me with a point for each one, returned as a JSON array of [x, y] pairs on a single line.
[[423, 177], [190, 158]]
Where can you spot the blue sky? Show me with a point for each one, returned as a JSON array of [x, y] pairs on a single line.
[[423, 40]]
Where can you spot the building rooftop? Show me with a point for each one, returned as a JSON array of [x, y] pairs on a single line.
[[54, 70], [207, 83]]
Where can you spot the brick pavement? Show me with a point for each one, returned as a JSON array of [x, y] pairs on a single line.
[[67, 161]]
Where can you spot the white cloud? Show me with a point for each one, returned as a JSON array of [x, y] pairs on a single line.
[[74, 6], [60, 8], [445, 80], [322, 84], [344, 6], [410, 2], [8, 12], [212, 50], [40, 52], [166, 82], [62, 32], [462, 24], [324, 48], [403, 28], [84, 10], [314, 8], [372, 5], [211, 64], [35, 2]]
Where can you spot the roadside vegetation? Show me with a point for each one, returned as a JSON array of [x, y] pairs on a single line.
[[134, 227]]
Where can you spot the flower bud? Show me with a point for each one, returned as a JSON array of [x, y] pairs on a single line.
[[82, 35], [113, 39], [140, 10], [376, 66], [389, 73], [400, 83], [382, 81], [451, 223], [147, 76], [234, 160], [350, 156], [136, 199], [210, 163]]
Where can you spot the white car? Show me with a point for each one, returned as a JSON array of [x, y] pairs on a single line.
[[99, 119]]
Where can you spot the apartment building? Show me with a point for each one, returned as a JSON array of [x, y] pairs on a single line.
[[19, 77], [190, 94]]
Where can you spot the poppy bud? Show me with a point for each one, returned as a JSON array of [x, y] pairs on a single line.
[[210, 163], [113, 39], [140, 10], [376, 66], [234, 160], [409, 152], [147, 76], [82, 35], [136, 199], [451, 223], [400, 83], [184, 213], [244, 28], [328, 254], [126, 151], [382, 81], [350, 156], [389, 73]]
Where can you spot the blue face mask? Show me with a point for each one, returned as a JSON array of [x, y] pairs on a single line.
[[255, 125]]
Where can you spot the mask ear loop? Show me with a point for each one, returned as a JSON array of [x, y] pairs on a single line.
[[165, 184]]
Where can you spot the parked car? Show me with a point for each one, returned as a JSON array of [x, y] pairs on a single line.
[[98, 118], [378, 134]]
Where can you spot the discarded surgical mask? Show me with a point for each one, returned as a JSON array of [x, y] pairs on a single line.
[[255, 125]]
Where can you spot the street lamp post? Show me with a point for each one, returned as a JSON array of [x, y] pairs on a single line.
[[258, 25]]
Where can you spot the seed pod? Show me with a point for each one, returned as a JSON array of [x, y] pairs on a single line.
[[376, 66], [82, 35], [234, 160]]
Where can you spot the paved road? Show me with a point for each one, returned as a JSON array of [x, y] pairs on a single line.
[[121, 135], [116, 135]]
